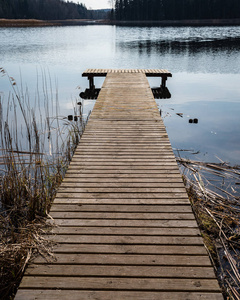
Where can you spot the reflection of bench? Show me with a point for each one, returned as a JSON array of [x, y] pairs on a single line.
[[159, 92]]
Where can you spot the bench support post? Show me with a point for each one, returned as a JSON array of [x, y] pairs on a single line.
[[91, 82], [164, 80]]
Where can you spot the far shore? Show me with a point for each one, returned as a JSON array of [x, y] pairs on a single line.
[[41, 23], [77, 22]]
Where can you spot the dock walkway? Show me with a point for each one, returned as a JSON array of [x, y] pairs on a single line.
[[125, 225]]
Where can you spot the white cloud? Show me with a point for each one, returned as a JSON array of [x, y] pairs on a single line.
[[94, 4]]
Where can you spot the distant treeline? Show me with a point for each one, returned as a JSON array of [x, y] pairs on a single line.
[[176, 9], [46, 10]]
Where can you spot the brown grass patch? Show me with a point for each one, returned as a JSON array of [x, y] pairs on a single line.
[[25, 23]]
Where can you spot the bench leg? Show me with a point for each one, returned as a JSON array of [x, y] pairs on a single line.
[[91, 83], [163, 83]]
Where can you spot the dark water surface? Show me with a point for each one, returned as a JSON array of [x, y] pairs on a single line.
[[204, 61]]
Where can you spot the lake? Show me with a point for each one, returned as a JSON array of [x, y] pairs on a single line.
[[204, 61]]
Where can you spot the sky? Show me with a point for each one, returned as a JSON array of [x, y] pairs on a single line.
[[94, 4]]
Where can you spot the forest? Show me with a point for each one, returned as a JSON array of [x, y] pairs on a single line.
[[42, 10], [154, 10]]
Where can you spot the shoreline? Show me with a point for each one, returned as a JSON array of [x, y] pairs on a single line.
[[79, 22], [203, 22]]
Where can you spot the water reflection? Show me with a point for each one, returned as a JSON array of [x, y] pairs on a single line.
[[215, 135], [177, 33], [203, 49], [204, 61], [229, 45]]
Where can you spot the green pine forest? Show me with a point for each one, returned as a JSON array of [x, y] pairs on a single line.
[[42, 10], [156, 10]]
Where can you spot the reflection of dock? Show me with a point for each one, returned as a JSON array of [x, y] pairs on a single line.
[[125, 225]]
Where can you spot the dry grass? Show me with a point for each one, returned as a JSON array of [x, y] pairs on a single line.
[[214, 193], [16, 250], [24, 23], [41, 23]]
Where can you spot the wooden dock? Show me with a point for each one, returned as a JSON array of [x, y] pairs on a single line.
[[125, 225]]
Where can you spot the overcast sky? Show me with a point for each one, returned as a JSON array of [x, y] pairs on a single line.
[[94, 4]]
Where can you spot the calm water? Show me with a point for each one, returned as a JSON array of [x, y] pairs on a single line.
[[205, 63]]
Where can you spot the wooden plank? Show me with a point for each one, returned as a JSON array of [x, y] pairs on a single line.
[[125, 125], [171, 175], [106, 185], [142, 201], [128, 231], [123, 167], [126, 137], [123, 161], [122, 223], [131, 249], [127, 144], [122, 239], [121, 180], [95, 152], [123, 216], [127, 195], [113, 283], [160, 159], [119, 190], [104, 150], [150, 168], [57, 294], [129, 259], [121, 271], [122, 208], [117, 171], [135, 181], [127, 130]]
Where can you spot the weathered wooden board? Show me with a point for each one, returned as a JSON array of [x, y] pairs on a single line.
[[57, 294], [128, 223], [123, 224], [122, 208], [129, 259], [128, 249], [122, 216], [123, 195], [119, 283], [122, 239], [120, 180], [128, 271], [131, 201], [127, 231]]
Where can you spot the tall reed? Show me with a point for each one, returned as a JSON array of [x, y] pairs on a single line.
[[36, 147]]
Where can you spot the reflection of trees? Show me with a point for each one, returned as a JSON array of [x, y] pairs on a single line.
[[205, 56], [192, 46]]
